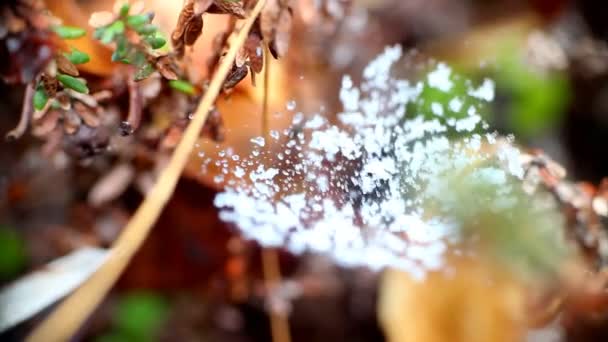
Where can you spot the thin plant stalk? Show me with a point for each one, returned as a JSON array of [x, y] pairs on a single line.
[[69, 316]]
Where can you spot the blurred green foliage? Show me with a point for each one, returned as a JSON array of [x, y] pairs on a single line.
[[538, 99], [522, 231], [459, 90], [138, 316], [13, 256]]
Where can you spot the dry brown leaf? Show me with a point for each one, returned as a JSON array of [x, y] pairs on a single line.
[[65, 66], [193, 30], [189, 25], [236, 75], [275, 25], [167, 68], [234, 7], [252, 52], [474, 303], [86, 114]]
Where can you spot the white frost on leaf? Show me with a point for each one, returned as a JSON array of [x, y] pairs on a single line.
[[357, 190]]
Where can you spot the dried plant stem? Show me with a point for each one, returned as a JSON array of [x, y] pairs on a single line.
[[26, 114], [265, 113], [279, 326], [73, 311]]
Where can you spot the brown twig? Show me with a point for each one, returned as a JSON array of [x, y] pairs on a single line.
[[73, 311], [26, 114], [128, 126]]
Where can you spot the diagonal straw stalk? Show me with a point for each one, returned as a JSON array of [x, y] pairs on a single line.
[[65, 321]]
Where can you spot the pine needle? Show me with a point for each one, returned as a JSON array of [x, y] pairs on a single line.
[[65, 321]]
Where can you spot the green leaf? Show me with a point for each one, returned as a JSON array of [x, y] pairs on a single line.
[[78, 57], [121, 49], [69, 32], [183, 86], [124, 10], [136, 21], [144, 72], [111, 31], [13, 257], [147, 30], [40, 98], [73, 83], [156, 42], [140, 315]]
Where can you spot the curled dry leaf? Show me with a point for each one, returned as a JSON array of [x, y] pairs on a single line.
[[236, 75], [252, 52], [189, 25], [234, 7], [193, 30], [65, 66], [275, 25], [167, 67], [111, 185]]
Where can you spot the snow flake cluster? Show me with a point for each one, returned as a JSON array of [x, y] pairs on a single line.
[[358, 190]]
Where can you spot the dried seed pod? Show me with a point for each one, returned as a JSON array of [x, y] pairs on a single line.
[[49, 84], [65, 66], [236, 75], [167, 67], [255, 50]]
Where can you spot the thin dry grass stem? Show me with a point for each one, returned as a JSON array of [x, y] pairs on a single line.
[[65, 321], [265, 113], [279, 325], [26, 114]]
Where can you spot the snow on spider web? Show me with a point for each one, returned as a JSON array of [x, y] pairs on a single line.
[[356, 190]]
